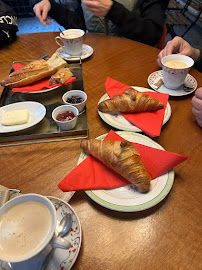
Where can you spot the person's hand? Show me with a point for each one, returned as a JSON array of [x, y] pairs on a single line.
[[99, 8], [178, 45], [197, 106], [41, 10]]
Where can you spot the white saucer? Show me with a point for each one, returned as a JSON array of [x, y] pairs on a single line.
[[87, 51], [61, 259], [190, 82]]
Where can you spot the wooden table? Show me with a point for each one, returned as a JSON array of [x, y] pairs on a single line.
[[167, 236]]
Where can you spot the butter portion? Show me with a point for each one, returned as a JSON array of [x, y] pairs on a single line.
[[17, 117]]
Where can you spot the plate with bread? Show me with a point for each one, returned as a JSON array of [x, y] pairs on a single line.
[[20, 115], [53, 69], [131, 198], [116, 120]]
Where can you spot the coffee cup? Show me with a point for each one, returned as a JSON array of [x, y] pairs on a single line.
[[27, 226], [72, 41], [175, 69]]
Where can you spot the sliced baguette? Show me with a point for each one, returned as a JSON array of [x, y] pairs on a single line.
[[34, 71], [61, 76]]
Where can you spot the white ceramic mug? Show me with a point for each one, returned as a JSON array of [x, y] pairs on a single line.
[[174, 77], [72, 41], [27, 226]]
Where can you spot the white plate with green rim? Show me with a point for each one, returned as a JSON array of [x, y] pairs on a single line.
[[116, 119], [128, 198], [61, 259]]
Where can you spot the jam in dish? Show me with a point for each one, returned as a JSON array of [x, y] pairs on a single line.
[[74, 99], [65, 116]]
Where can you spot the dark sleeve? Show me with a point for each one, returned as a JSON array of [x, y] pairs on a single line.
[[67, 18], [146, 27], [198, 64]]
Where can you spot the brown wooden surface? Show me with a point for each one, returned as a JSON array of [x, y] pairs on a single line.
[[167, 236]]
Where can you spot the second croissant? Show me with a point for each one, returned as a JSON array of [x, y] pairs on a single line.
[[121, 157], [131, 101]]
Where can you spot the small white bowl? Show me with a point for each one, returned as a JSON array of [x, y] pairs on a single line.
[[67, 124], [79, 93]]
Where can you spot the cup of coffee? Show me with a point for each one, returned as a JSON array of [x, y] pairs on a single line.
[[72, 40], [175, 69], [27, 226]]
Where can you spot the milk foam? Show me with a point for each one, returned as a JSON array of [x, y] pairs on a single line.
[[22, 229], [176, 64], [71, 35]]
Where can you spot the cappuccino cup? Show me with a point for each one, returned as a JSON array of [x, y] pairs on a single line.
[[175, 69], [72, 40], [27, 226]]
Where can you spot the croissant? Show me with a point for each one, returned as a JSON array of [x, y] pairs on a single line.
[[130, 101], [121, 157]]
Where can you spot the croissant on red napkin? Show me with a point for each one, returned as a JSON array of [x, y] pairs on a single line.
[[122, 157], [130, 101]]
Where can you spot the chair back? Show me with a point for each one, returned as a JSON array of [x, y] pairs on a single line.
[[161, 42]]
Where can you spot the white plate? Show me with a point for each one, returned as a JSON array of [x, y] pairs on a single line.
[[36, 111], [116, 119], [87, 51], [127, 198], [41, 91], [61, 259], [190, 82]]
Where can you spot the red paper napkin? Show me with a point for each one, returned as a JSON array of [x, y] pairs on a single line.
[[149, 122], [92, 174], [39, 85]]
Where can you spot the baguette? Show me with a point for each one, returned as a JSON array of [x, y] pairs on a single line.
[[61, 76], [34, 71], [121, 157]]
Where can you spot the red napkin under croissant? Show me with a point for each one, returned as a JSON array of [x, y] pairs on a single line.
[[92, 174], [37, 86], [149, 122]]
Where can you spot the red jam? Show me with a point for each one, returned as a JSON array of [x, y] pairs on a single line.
[[67, 115], [74, 99]]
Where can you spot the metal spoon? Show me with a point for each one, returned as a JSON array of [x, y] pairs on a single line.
[[64, 225], [44, 55], [61, 31], [62, 230]]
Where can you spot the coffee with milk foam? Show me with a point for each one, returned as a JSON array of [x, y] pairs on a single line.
[[72, 35], [23, 229], [176, 64]]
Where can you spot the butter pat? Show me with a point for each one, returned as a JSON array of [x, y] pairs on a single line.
[[17, 117]]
